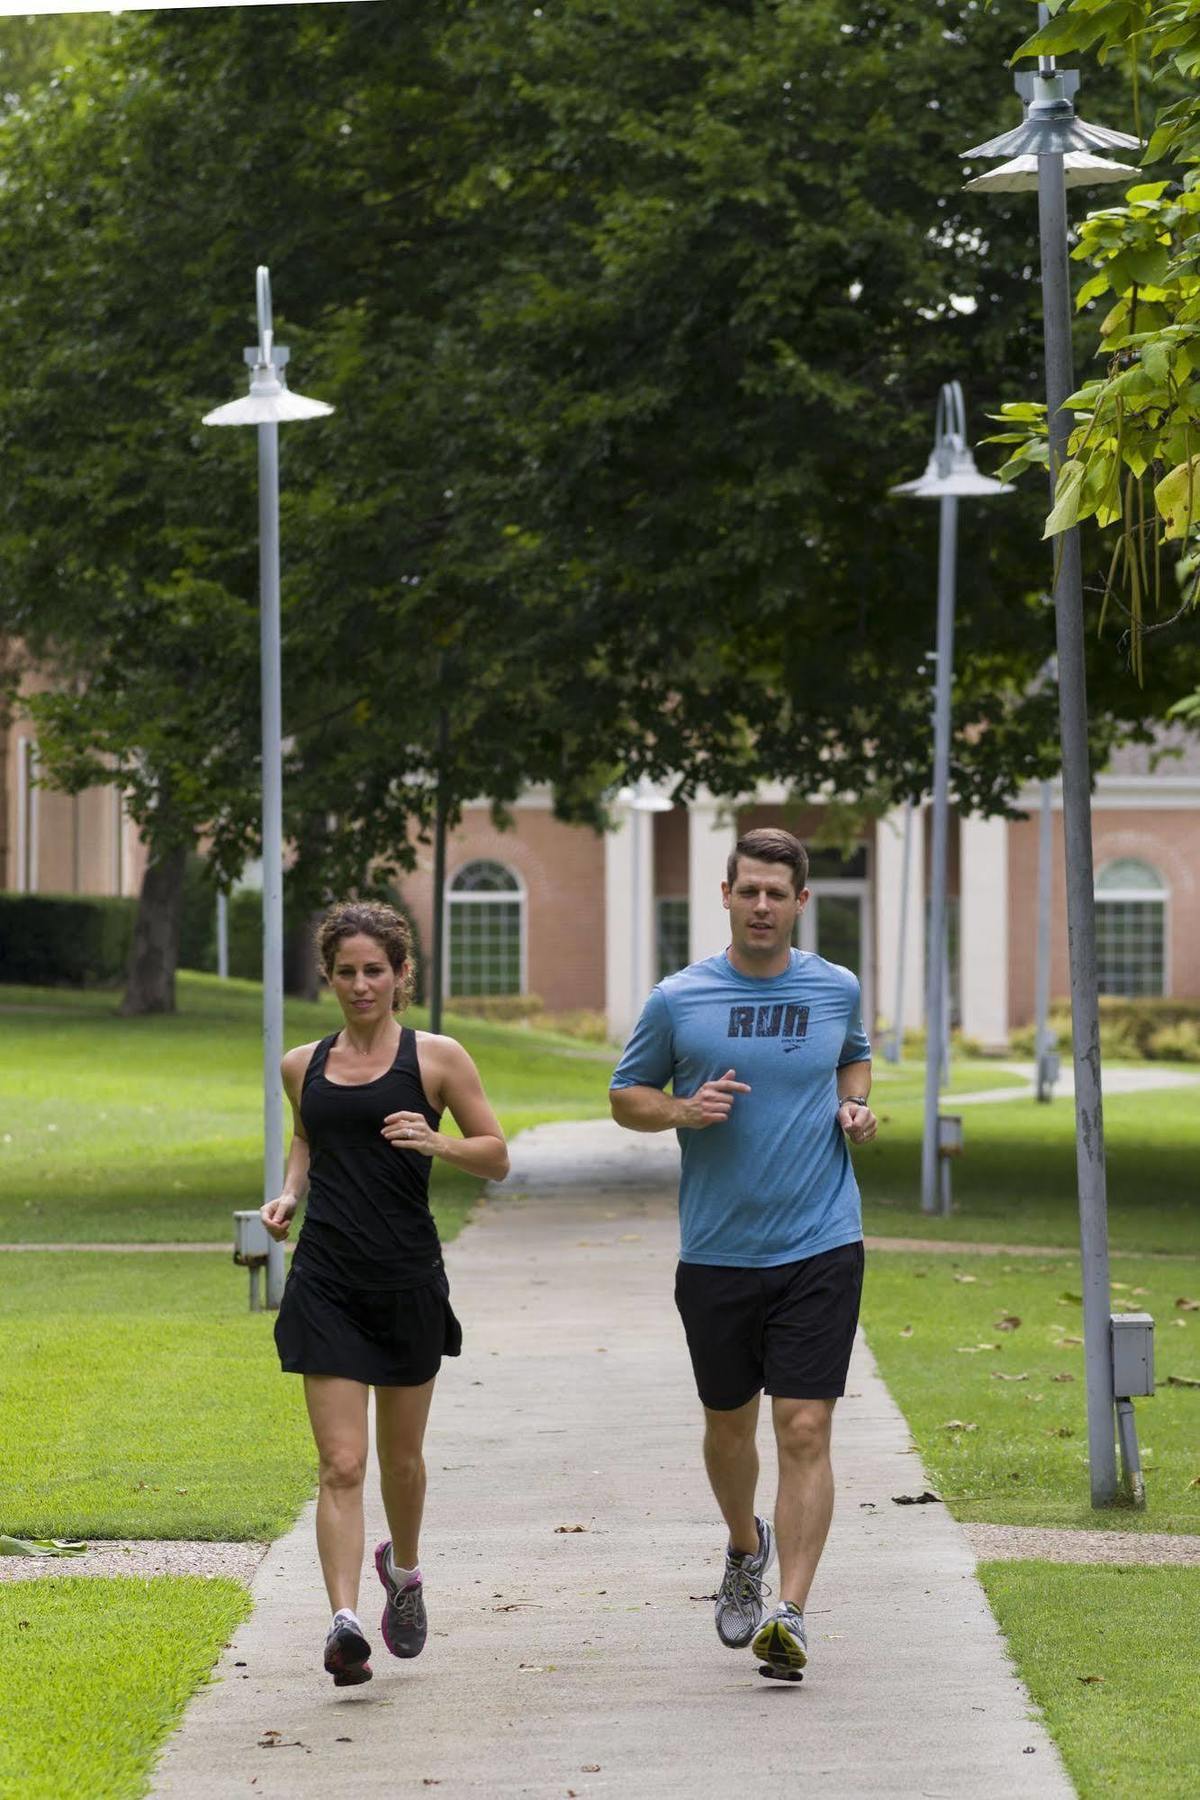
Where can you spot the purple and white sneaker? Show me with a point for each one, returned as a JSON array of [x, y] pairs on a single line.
[[404, 1625]]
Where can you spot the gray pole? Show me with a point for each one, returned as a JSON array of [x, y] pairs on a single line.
[[272, 837], [439, 875], [895, 1049], [1042, 983], [635, 947], [223, 935], [934, 966], [1077, 845]]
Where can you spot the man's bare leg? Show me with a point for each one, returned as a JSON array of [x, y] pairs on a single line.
[[804, 1506], [731, 1459]]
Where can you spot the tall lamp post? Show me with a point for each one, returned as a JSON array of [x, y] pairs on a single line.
[[1052, 138], [641, 799], [269, 404], [950, 475]]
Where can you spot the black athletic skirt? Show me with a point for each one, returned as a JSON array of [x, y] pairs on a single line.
[[382, 1338]]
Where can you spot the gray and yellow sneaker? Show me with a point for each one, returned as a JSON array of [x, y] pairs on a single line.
[[740, 1596], [781, 1641], [404, 1624]]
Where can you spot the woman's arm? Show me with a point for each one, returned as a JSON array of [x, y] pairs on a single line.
[[277, 1214], [452, 1081]]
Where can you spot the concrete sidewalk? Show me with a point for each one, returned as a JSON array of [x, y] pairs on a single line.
[[583, 1661]]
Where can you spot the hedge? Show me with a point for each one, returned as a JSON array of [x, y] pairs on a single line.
[[65, 940]]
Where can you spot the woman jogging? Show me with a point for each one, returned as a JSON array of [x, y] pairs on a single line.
[[367, 1303]]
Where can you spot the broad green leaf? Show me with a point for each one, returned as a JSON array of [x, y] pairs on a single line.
[[1099, 284], [1177, 498], [1068, 492], [1149, 190]]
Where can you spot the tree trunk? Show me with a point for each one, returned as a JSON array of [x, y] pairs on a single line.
[[301, 969], [150, 981]]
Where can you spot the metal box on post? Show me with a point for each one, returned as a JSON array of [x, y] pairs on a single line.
[[251, 1244], [1132, 1354]]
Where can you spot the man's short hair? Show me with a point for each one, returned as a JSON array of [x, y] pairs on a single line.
[[768, 844]]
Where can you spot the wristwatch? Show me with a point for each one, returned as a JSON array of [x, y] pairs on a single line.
[[854, 1100]]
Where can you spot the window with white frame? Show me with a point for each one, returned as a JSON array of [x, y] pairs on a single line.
[[485, 938], [672, 934], [1131, 906]]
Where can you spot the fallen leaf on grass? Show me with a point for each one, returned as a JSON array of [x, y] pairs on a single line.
[[1091, 1680], [558, 1529], [1000, 1375], [1063, 1377], [959, 1425], [925, 1499], [1060, 1431], [1070, 1299], [966, 1278], [905, 1331], [1195, 1482], [1139, 1290], [1182, 1381], [1182, 1323], [1122, 1287], [1006, 1322], [1068, 1343], [1186, 1305]]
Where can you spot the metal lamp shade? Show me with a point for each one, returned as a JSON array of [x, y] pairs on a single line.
[[1080, 168], [268, 408]]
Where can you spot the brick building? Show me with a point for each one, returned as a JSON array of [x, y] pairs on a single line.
[[591, 921]]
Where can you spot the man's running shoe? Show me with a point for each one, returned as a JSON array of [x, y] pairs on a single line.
[[740, 1596], [404, 1624], [781, 1641], [346, 1652]]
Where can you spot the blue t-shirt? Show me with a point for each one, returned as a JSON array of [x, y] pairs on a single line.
[[773, 1182]]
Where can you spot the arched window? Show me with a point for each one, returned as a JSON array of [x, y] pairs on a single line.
[[486, 931], [1131, 905]]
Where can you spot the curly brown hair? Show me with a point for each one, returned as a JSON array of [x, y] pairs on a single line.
[[371, 918]]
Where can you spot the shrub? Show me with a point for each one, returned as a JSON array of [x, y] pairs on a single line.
[[1176, 1043], [501, 1009], [65, 940]]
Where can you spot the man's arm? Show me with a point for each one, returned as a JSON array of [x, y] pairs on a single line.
[[854, 1115], [649, 1109]]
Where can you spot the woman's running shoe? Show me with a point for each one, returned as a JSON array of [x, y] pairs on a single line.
[[404, 1624], [347, 1651]]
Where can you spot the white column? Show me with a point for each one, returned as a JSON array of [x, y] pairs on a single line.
[[983, 930], [631, 968], [889, 874], [712, 833]]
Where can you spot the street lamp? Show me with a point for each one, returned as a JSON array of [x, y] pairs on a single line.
[[1050, 134], [950, 475], [268, 404], [643, 798]]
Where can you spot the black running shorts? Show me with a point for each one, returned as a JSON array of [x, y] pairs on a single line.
[[383, 1339], [788, 1330]]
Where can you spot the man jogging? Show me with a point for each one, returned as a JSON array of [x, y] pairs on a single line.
[[764, 1050]]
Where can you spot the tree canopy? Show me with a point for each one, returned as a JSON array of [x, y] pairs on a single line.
[[632, 314]]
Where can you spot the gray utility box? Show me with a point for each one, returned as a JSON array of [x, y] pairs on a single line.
[[1132, 1354], [251, 1240]]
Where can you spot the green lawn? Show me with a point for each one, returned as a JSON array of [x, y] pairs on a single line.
[[97, 1673], [149, 1130], [1018, 1454], [146, 1400], [1015, 1183], [1110, 1656]]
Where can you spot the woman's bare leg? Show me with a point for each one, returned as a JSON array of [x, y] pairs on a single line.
[[337, 1411], [401, 1414]]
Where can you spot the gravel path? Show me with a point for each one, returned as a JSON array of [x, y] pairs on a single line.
[[123, 1556], [1017, 1542]]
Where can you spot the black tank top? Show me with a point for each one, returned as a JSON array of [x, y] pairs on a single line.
[[367, 1223]]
